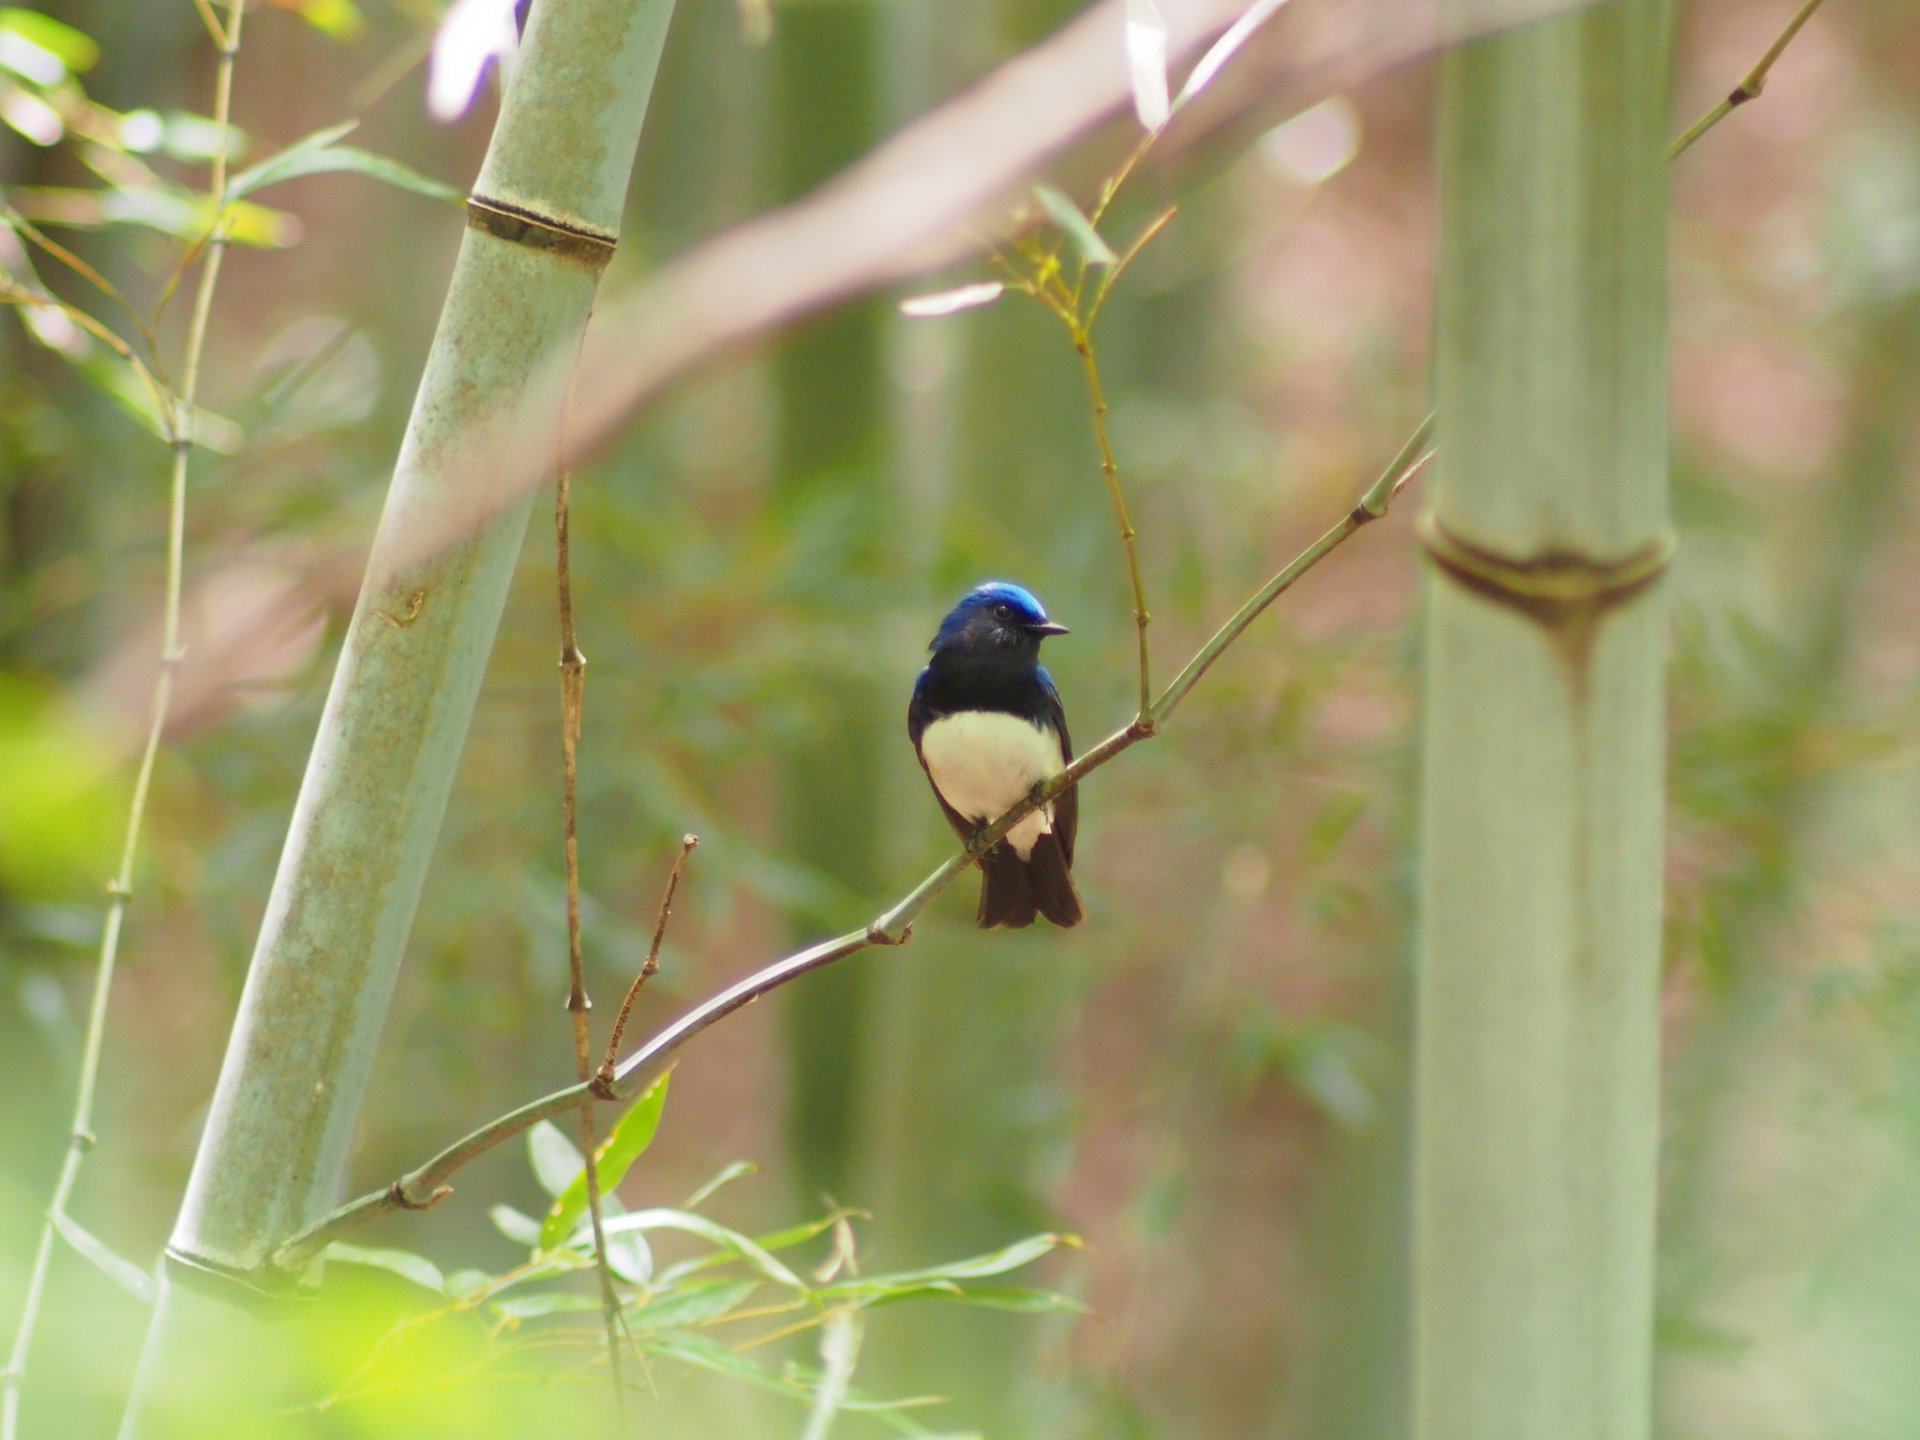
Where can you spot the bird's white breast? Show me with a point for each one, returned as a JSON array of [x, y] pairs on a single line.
[[984, 761]]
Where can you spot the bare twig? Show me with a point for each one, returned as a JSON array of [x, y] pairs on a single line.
[[573, 683], [1751, 84], [424, 1186], [652, 965], [178, 417]]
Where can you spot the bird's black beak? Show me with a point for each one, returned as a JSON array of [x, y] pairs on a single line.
[[1047, 627]]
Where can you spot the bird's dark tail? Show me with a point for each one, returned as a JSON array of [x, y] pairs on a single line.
[[1006, 891], [1052, 881], [1014, 891]]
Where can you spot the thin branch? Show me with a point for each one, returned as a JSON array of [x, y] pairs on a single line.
[[573, 684], [427, 1185], [652, 966], [1751, 84], [1083, 347], [35, 235], [179, 420]]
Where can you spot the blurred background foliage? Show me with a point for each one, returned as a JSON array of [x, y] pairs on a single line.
[[1205, 1080]]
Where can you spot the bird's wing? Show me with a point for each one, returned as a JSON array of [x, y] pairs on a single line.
[[1066, 805], [919, 716]]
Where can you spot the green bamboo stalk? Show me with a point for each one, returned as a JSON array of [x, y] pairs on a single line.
[[178, 410], [543, 219], [831, 394], [1536, 1066]]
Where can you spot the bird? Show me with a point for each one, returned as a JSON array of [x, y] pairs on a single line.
[[988, 726]]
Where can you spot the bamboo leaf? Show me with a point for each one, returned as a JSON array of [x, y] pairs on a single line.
[[1147, 63], [546, 1302], [318, 154], [997, 1262], [726, 1176], [951, 302], [404, 1263], [1020, 1299], [115, 1266], [1222, 50], [72, 49], [839, 1349], [625, 1143], [695, 1304], [630, 1257], [718, 1235], [516, 1225], [1086, 240], [556, 1159], [693, 1348]]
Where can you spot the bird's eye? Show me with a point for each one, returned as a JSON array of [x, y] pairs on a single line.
[[1003, 612]]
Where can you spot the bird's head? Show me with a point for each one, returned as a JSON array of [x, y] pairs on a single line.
[[996, 618]]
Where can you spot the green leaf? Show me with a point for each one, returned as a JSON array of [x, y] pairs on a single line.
[[1020, 1299], [117, 1268], [183, 214], [840, 1336], [998, 1262], [336, 19], [694, 1304], [74, 49], [727, 1176], [729, 1240], [517, 1226], [317, 154], [546, 1302], [696, 1349], [462, 1283], [404, 1263], [630, 1257], [625, 1143], [556, 1159], [1078, 228], [783, 1239]]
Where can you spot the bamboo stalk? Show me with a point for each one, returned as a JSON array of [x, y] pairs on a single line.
[[1536, 1064], [541, 224], [178, 410]]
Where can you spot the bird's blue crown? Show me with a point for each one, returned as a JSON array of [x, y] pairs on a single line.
[[1023, 607]]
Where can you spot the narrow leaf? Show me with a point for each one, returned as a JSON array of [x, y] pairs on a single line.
[[1147, 63], [404, 1263], [74, 49], [117, 1268], [951, 302], [625, 1143], [715, 1234], [317, 154], [556, 1159], [709, 1354], [1222, 50], [839, 1349], [1021, 1299], [1078, 228], [695, 1304], [998, 1262], [546, 1302], [727, 1176], [630, 1257], [517, 1226]]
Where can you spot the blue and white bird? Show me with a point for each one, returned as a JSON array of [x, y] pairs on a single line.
[[988, 726]]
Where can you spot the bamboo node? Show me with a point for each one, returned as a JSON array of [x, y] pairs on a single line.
[[522, 225], [1553, 585]]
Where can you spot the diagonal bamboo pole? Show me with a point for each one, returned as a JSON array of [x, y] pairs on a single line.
[[1536, 1053], [541, 224]]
